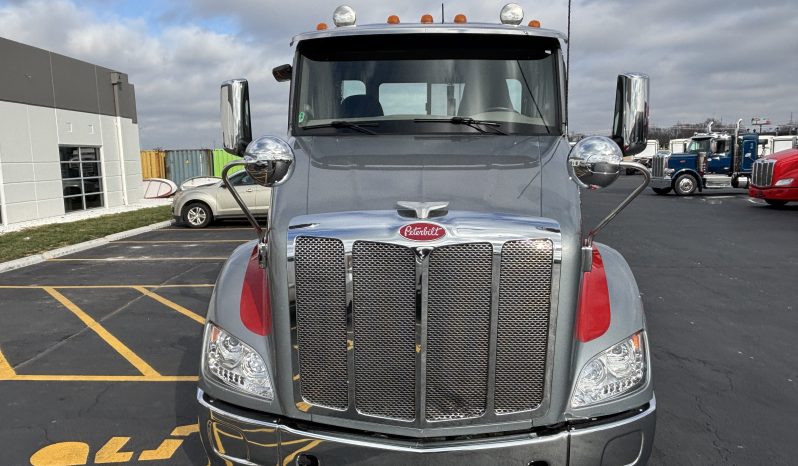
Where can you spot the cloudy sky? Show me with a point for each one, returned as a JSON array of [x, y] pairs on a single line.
[[725, 59]]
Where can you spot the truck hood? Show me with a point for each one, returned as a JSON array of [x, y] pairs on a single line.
[[784, 155], [473, 173]]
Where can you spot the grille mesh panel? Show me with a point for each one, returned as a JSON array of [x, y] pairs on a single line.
[[458, 331], [384, 278], [523, 325], [321, 320]]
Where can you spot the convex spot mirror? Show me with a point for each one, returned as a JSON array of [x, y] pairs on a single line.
[[595, 162], [269, 161], [282, 73]]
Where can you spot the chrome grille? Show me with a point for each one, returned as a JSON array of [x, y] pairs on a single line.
[[762, 173], [321, 321], [458, 331], [523, 325], [658, 163], [447, 333], [384, 292]]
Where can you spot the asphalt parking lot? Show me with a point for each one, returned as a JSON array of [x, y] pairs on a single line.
[[99, 350]]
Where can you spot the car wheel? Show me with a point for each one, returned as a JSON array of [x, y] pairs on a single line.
[[662, 191], [776, 202], [197, 215], [685, 185]]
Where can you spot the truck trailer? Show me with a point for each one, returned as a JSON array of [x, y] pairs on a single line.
[[424, 291]]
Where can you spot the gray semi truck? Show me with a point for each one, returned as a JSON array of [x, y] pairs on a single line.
[[424, 291]]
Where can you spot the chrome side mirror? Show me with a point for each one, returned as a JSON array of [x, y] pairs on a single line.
[[630, 124], [236, 122], [595, 162], [269, 161]]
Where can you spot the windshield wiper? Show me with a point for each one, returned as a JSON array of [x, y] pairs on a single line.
[[476, 124], [344, 124]]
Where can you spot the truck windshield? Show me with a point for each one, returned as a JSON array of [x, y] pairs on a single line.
[[698, 145], [427, 83]]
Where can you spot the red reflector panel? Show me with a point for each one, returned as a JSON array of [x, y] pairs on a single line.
[[256, 313], [593, 318]]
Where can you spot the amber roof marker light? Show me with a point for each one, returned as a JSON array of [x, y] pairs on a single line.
[[393, 19], [512, 13], [321, 27], [344, 15], [460, 19], [534, 23], [427, 19]]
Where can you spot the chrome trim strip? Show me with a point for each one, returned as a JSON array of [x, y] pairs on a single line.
[[652, 406]]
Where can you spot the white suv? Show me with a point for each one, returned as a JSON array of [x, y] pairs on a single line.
[[198, 207]]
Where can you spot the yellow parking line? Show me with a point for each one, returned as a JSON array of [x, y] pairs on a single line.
[[6, 371], [185, 241], [120, 347], [190, 314], [88, 287], [103, 378], [135, 259]]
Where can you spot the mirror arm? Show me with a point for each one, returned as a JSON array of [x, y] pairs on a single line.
[[587, 247], [237, 197]]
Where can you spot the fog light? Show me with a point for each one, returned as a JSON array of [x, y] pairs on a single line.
[[511, 14], [344, 15]]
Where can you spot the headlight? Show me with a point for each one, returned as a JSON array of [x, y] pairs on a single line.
[[235, 364], [784, 182], [669, 171], [615, 372]]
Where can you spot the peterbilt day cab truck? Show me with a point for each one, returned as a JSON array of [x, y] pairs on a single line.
[[774, 178], [424, 292], [711, 160]]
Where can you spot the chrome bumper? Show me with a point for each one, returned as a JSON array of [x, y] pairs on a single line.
[[233, 436], [661, 182]]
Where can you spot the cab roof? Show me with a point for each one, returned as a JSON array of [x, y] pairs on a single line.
[[433, 28]]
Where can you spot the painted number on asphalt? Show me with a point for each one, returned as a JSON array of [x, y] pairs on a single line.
[[112, 451]]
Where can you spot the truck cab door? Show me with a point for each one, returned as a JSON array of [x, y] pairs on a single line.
[[719, 158], [749, 149], [245, 186]]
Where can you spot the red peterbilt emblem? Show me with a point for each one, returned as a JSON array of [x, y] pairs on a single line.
[[422, 231]]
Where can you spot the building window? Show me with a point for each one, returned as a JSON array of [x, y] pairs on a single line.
[[81, 177]]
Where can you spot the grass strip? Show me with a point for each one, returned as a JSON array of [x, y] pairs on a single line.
[[29, 241]]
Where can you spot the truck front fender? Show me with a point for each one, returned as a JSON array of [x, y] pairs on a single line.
[[626, 319], [224, 311]]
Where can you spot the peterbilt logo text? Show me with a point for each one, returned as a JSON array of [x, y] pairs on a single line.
[[422, 231]]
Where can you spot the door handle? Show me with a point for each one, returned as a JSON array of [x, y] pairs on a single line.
[[250, 190]]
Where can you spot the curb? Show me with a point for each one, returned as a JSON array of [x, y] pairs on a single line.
[[38, 258]]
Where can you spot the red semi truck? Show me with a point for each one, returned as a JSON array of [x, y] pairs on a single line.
[[775, 178]]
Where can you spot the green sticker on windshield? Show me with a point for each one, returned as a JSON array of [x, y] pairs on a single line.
[[301, 117]]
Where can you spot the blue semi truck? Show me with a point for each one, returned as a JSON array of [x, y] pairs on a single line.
[[712, 160]]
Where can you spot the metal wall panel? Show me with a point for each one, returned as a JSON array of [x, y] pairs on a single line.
[[33, 76], [153, 164], [187, 163], [221, 158]]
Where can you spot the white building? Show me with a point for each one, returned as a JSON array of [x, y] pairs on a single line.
[[69, 138]]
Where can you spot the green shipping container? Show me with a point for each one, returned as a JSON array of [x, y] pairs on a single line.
[[222, 158]]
